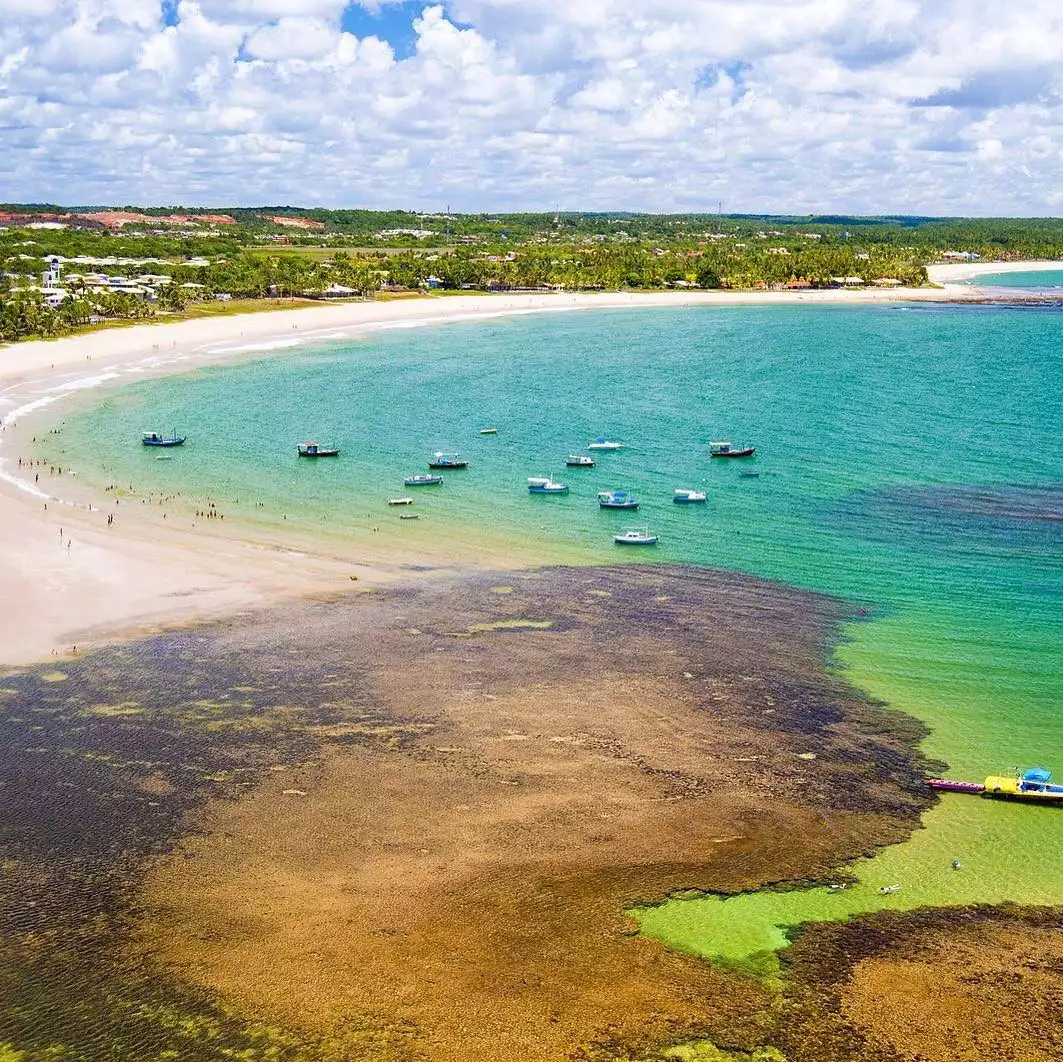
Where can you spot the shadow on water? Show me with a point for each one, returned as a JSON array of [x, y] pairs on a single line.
[[105, 762]]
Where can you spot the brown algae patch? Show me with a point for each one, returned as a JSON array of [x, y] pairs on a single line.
[[335, 847]]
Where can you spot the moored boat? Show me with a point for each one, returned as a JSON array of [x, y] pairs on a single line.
[[728, 449], [545, 485], [688, 497], [748, 473], [601, 443], [400, 501], [444, 460], [1034, 785], [616, 499], [579, 461], [636, 536], [422, 480], [153, 438], [313, 449], [489, 431]]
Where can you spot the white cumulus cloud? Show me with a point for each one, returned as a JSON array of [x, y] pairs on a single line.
[[785, 105]]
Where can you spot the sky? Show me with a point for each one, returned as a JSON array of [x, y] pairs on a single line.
[[948, 107]]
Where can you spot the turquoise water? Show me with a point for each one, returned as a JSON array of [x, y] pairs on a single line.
[[1049, 281], [910, 459]]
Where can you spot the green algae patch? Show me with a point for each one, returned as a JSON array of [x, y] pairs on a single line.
[[115, 711], [705, 1051], [510, 625]]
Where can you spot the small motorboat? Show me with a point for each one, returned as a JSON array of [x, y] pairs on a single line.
[[616, 499], [727, 449], [409, 516], [442, 460], [688, 497], [313, 449], [153, 438], [545, 485], [400, 501], [1034, 785], [636, 536], [489, 431], [422, 480], [601, 443], [579, 461], [887, 889]]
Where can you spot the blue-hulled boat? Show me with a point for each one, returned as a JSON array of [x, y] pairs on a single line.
[[545, 485], [442, 460], [423, 480], [616, 499], [153, 438]]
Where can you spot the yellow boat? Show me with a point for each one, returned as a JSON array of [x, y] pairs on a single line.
[[1034, 785]]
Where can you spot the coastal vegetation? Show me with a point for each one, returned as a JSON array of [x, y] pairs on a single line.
[[135, 265]]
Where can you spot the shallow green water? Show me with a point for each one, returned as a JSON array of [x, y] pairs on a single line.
[[910, 458]]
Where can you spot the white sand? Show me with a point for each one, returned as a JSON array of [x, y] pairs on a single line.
[[142, 574], [959, 271]]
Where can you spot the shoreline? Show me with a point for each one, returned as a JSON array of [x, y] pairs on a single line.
[[140, 575]]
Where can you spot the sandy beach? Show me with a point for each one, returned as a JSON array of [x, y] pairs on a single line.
[[78, 581]]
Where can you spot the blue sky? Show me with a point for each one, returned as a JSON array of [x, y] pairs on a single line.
[[393, 23], [855, 106]]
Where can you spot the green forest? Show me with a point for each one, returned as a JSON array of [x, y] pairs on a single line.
[[365, 254]]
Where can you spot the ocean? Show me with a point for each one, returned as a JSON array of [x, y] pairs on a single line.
[[909, 458]]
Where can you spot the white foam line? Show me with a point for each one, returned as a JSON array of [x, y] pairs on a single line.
[[23, 485]]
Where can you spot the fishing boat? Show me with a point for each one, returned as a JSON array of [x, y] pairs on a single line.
[[313, 449], [400, 501], [153, 438], [442, 460], [1034, 785], [616, 499], [688, 497], [489, 431], [601, 443], [409, 516], [422, 480], [545, 485], [579, 461], [636, 536], [748, 473], [727, 449]]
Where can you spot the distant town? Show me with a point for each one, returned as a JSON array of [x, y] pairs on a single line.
[[62, 270]]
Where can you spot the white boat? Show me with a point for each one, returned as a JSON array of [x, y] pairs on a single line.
[[545, 485], [400, 501], [579, 461], [489, 431], [601, 443], [688, 497], [636, 536]]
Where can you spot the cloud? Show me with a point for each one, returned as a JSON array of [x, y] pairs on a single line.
[[789, 105], [997, 88]]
